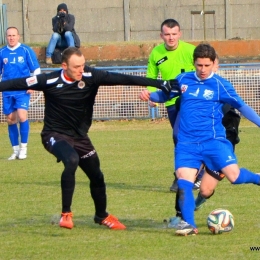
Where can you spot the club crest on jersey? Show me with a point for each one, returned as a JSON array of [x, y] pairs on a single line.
[[5, 60], [208, 94], [20, 59], [81, 84], [184, 88], [31, 81]]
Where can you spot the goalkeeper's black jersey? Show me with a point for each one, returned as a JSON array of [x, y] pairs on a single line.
[[69, 105]]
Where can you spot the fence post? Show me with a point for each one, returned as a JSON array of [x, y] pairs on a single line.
[[126, 20], [3, 23]]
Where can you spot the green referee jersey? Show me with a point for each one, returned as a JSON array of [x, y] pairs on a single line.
[[170, 63]]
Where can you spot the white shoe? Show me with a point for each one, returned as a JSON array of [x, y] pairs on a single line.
[[13, 156], [23, 153]]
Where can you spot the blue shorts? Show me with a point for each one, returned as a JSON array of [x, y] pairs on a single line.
[[216, 154], [12, 103]]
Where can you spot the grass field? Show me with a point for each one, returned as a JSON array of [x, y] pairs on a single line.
[[136, 158]]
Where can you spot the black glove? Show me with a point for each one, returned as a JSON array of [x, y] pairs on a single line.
[[171, 86]]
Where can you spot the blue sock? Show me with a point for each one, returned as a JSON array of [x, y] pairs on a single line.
[[245, 176], [24, 131], [13, 134], [186, 201]]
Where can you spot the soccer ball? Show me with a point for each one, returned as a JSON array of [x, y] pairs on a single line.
[[220, 221]]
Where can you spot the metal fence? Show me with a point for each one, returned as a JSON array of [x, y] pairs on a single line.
[[122, 102]]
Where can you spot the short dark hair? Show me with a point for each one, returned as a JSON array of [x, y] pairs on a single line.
[[68, 52], [204, 50], [11, 27], [170, 23]]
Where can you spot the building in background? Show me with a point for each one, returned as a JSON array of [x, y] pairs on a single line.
[[137, 20]]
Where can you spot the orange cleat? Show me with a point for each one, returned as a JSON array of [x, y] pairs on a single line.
[[111, 222], [66, 220]]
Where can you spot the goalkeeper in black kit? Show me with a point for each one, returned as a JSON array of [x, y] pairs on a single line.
[[69, 99]]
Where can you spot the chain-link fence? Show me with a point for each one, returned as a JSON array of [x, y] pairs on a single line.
[[122, 102]]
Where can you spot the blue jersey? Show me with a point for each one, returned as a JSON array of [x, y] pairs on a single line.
[[201, 106], [17, 62]]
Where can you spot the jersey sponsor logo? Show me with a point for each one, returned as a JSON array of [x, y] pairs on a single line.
[[208, 94], [184, 88], [87, 74], [31, 81], [21, 59], [196, 93], [88, 154], [5, 60], [81, 84], [13, 61], [159, 62], [59, 86], [24, 105]]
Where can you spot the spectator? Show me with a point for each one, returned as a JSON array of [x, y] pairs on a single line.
[[17, 60], [64, 34]]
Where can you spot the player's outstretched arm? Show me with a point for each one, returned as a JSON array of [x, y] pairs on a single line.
[[105, 78], [159, 97], [250, 114], [34, 82]]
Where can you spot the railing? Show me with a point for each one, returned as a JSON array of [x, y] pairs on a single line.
[[122, 102]]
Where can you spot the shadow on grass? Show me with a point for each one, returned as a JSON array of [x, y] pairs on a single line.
[[47, 224]]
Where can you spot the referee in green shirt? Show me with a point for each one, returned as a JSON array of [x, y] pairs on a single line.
[[169, 59]]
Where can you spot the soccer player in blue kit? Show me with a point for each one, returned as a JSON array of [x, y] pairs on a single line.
[[17, 60], [203, 94]]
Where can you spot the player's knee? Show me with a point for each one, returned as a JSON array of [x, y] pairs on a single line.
[[232, 172], [206, 192], [12, 119], [71, 161]]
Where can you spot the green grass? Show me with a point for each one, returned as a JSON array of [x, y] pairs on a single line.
[[136, 158]]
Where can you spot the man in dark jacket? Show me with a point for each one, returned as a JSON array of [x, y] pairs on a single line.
[[64, 34]]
